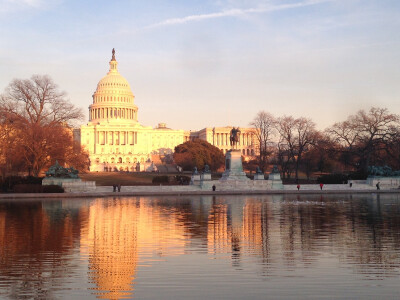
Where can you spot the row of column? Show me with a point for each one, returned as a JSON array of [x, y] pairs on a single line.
[[116, 137], [223, 139], [111, 112], [98, 99]]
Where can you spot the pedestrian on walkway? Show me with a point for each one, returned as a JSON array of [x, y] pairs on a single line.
[[321, 185], [298, 187], [114, 187], [214, 188], [378, 186], [119, 188]]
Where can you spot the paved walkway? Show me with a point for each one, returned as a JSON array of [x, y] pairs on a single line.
[[107, 191]]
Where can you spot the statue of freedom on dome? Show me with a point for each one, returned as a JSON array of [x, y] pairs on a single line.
[[113, 54]]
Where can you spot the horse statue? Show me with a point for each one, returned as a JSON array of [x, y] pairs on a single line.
[[234, 137]]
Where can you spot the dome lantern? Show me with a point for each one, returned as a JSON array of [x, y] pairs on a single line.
[[113, 63]]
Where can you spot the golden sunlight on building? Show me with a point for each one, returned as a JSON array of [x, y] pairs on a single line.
[[116, 141], [121, 232], [220, 137]]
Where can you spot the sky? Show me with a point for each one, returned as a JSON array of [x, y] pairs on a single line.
[[196, 64]]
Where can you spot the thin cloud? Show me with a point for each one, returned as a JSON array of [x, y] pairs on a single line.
[[7, 6], [235, 13]]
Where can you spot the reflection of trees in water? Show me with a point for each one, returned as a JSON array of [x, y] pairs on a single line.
[[34, 248], [360, 231], [295, 230], [37, 239], [370, 237], [306, 228]]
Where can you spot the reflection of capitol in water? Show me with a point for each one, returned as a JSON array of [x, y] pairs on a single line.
[[110, 240], [122, 240], [117, 234], [121, 234]]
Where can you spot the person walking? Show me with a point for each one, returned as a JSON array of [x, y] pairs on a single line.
[[119, 188], [298, 187], [321, 185], [378, 186]]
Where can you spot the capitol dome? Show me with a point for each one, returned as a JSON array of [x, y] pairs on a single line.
[[113, 99]]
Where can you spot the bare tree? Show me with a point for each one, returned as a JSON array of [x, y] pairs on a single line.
[[41, 115], [392, 150], [284, 158], [364, 134], [38, 101], [296, 136], [264, 124]]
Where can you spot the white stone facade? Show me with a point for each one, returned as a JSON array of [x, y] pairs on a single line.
[[220, 137], [116, 141]]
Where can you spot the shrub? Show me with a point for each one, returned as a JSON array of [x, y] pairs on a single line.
[[360, 175], [37, 188], [52, 189], [9, 183], [160, 179], [333, 179], [27, 188], [181, 179]]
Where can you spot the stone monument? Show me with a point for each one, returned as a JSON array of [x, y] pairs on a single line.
[[67, 178], [195, 176], [259, 174], [233, 160], [275, 178], [385, 176], [206, 173]]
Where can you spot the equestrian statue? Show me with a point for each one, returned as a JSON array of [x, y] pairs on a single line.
[[234, 137]]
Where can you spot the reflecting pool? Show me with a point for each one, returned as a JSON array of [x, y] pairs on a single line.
[[202, 247]]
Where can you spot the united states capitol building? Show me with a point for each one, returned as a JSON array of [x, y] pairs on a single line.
[[116, 141]]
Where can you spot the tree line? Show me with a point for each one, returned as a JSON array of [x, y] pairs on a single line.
[[36, 121], [364, 139]]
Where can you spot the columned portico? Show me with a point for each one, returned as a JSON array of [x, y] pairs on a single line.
[[113, 137]]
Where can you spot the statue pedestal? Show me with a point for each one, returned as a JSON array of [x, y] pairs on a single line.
[[206, 176], [234, 167], [71, 184], [275, 180], [274, 176], [258, 176], [195, 179], [384, 182]]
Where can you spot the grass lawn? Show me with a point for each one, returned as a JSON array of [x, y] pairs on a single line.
[[110, 178]]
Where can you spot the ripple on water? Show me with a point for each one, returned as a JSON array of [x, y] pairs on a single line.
[[225, 247]]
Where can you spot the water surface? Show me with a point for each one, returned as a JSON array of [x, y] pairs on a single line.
[[222, 247]]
